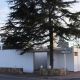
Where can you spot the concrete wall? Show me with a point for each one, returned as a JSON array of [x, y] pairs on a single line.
[[12, 59]]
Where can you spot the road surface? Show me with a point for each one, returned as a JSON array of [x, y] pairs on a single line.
[[9, 77]]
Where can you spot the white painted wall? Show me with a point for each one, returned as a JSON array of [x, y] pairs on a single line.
[[61, 62], [70, 62], [12, 59], [64, 61], [76, 59]]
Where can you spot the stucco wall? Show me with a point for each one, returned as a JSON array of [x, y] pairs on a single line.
[[12, 59]]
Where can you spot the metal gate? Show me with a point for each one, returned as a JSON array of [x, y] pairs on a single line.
[[40, 58]]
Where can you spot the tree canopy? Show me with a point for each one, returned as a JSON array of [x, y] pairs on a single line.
[[33, 22]]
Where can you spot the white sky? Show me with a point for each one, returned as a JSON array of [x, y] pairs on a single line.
[[4, 11], [76, 6]]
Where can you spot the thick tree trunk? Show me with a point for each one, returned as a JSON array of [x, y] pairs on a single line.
[[51, 47]]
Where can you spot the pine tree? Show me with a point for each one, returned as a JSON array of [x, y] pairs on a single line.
[[33, 22]]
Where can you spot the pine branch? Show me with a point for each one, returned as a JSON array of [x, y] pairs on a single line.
[[69, 2], [39, 43]]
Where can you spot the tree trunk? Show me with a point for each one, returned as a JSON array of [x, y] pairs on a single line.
[[51, 47], [51, 38]]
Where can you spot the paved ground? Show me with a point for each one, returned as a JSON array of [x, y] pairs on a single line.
[[4, 77], [70, 76]]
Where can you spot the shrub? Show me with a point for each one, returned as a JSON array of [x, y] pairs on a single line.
[[51, 72]]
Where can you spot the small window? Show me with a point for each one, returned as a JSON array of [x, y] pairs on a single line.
[[76, 53]]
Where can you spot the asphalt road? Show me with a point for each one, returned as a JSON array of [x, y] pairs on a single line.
[[9, 77]]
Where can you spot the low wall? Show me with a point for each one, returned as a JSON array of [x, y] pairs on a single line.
[[13, 59]]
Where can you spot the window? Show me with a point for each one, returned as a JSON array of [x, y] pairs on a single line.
[[75, 53]]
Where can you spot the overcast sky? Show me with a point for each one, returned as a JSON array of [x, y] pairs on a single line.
[[4, 11]]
